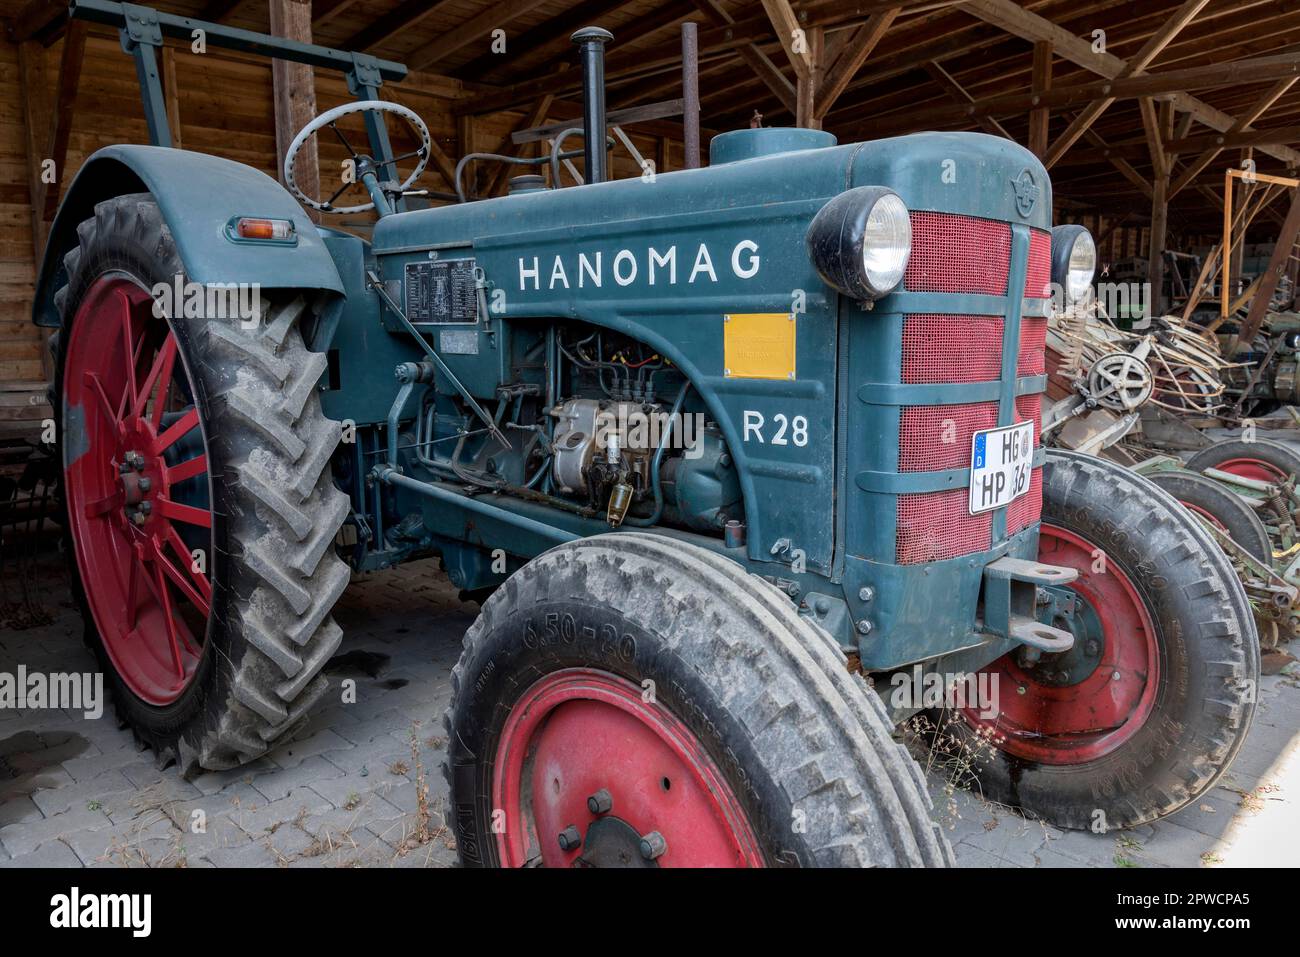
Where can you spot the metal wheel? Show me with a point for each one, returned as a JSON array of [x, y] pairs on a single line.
[[138, 491]]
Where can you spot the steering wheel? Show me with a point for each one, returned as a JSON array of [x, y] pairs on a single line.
[[330, 118]]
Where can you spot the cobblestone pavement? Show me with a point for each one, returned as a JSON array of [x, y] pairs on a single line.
[[345, 792]]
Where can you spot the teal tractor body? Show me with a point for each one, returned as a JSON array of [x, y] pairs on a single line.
[[755, 435]]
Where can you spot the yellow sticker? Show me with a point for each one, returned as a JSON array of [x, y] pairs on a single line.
[[758, 345]]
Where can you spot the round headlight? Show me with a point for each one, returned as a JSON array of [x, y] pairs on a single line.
[[860, 242], [1074, 262]]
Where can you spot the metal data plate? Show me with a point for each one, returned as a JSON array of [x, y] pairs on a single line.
[[758, 345], [441, 292]]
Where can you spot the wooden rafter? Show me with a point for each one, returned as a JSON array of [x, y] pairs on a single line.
[[1041, 82], [856, 50], [959, 93], [790, 32], [476, 29], [752, 54], [1154, 46], [402, 17]]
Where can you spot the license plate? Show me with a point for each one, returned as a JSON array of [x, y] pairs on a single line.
[[1000, 464]]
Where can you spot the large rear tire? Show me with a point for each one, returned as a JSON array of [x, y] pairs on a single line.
[[202, 514], [688, 700], [1153, 702]]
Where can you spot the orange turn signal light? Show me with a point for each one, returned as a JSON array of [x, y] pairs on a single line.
[[275, 230]]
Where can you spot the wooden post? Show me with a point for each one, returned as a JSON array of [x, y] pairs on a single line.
[[294, 86], [172, 94], [1277, 265], [1042, 82], [1159, 129]]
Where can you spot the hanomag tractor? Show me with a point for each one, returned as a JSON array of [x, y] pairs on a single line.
[[838, 351]]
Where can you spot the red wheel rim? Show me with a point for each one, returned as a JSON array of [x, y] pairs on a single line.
[[1256, 469], [1197, 510], [577, 731], [1076, 723], [140, 453]]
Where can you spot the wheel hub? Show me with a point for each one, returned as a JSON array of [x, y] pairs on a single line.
[[590, 774]]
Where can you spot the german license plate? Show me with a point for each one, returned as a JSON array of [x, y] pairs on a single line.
[[1000, 465]]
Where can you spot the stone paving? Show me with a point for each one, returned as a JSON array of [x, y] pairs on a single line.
[[347, 792]]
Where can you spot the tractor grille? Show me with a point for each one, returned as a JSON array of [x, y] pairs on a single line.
[[962, 254], [958, 254], [952, 348], [933, 526], [935, 437], [1038, 277]]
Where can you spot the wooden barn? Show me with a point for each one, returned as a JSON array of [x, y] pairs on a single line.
[[1137, 108]]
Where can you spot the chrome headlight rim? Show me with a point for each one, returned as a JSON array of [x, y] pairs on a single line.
[[860, 242], [1073, 279]]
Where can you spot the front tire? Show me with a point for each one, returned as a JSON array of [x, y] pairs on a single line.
[[695, 698], [202, 513], [1152, 704]]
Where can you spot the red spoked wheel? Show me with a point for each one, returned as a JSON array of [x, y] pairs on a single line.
[[137, 488], [1082, 704], [589, 773]]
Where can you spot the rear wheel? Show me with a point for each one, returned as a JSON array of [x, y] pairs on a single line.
[[1153, 701], [631, 700], [201, 510], [1220, 507]]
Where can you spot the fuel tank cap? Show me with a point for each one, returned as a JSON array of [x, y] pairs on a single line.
[[765, 141]]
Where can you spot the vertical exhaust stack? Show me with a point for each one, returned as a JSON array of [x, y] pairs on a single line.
[[591, 43]]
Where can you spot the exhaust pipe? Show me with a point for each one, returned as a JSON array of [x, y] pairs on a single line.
[[591, 43]]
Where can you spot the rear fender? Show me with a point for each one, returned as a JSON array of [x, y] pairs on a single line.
[[198, 194]]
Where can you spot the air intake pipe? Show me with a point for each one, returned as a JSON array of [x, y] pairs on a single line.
[[591, 44]]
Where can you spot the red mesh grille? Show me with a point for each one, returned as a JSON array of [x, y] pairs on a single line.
[[958, 254], [1027, 509], [1031, 407], [933, 526], [939, 436], [952, 348], [1033, 342], [1038, 278]]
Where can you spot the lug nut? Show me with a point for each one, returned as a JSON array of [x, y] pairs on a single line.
[[653, 845], [138, 518], [146, 507], [570, 838], [145, 484], [601, 802]]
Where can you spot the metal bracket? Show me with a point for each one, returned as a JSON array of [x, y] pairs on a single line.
[[142, 25], [1012, 589]]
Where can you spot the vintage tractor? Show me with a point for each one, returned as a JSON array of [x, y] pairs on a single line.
[[729, 456]]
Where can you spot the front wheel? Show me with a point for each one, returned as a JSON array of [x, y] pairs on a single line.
[[631, 700], [1153, 701]]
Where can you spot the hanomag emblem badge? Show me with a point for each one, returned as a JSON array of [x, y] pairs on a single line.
[[1026, 191]]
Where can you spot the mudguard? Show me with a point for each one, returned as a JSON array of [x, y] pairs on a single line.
[[198, 194]]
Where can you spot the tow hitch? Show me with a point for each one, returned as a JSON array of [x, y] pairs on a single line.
[[1022, 598]]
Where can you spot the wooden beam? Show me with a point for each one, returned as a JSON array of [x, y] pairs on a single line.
[[1015, 19], [1228, 141], [171, 95], [807, 84], [1238, 125], [475, 29], [855, 52], [958, 93], [70, 63], [403, 17], [36, 18], [1277, 265], [507, 148], [791, 35], [550, 36], [1121, 164], [1041, 82], [218, 10], [1158, 129], [294, 88], [752, 54], [1162, 85]]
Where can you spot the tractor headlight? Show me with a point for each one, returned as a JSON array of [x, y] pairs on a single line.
[[860, 242], [1074, 262]]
